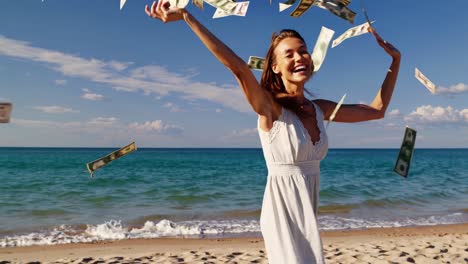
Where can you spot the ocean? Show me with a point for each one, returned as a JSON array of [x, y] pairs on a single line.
[[48, 197]]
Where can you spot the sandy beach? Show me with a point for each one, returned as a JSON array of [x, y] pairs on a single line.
[[430, 244]]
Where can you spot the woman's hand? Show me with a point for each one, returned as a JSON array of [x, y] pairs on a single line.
[[389, 48], [163, 11]]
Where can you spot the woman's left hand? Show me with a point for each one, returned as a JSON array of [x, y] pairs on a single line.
[[389, 48]]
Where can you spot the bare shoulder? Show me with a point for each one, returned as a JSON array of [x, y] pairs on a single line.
[[326, 106]]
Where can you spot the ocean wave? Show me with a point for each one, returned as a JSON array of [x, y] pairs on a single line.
[[115, 230]]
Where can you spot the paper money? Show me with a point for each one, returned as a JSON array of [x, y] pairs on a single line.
[[122, 3], [256, 63], [5, 112], [364, 11], [321, 47], [286, 5], [406, 153], [425, 81], [178, 3], [225, 5], [303, 6], [337, 8], [332, 116], [99, 163], [198, 3], [240, 10], [352, 32]]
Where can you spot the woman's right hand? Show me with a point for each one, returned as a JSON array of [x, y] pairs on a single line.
[[163, 11]]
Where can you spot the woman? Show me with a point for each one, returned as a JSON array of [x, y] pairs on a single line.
[[291, 132]]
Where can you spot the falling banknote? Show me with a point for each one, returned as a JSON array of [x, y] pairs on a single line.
[[225, 5], [321, 47], [332, 116], [286, 5], [425, 81], [303, 6], [256, 63], [5, 112], [198, 3], [338, 8], [352, 32], [179, 3], [406, 153], [122, 3], [99, 163], [240, 10]]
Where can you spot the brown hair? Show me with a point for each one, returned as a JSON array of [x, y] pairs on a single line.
[[271, 81]]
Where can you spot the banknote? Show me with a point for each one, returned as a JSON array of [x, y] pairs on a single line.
[[99, 163], [352, 32], [403, 162], [303, 6], [198, 3], [225, 5], [425, 81], [321, 47], [338, 8], [5, 112], [332, 116], [286, 5], [179, 3], [122, 3], [256, 63], [240, 10]]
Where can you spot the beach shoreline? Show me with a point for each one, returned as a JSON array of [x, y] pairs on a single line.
[[417, 244]]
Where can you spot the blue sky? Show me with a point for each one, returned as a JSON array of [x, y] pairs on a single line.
[[87, 74]]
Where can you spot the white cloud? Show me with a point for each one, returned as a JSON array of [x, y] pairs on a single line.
[[44, 123], [60, 82], [151, 79], [428, 114], [103, 121], [218, 110], [454, 89], [394, 113], [156, 126], [243, 133], [88, 95], [172, 107], [55, 109]]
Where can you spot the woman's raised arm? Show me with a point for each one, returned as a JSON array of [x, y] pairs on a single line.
[[376, 110], [260, 100]]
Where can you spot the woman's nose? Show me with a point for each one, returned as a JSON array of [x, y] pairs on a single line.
[[298, 57]]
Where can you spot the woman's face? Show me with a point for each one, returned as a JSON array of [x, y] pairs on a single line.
[[293, 62]]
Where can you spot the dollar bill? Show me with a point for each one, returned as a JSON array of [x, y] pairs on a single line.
[[240, 10], [303, 6], [405, 155], [179, 3], [425, 81], [337, 107], [122, 3], [225, 5], [198, 3], [256, 63], [99, 163], [337, 8], [5, 112], [321, 47], [286, 5], [352, 32]]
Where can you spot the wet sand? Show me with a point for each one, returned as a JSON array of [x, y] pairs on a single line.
[[430, 244]]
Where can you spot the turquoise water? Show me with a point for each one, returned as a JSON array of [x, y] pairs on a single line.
[[47, 196]]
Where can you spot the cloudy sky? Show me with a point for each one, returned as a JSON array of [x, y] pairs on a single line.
[[86, 74]]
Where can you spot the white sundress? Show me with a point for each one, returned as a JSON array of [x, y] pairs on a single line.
[[288, 220]]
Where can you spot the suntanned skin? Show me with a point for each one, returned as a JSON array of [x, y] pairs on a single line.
[[294, 65]]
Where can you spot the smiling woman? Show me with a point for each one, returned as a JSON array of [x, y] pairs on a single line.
[[292, 133]]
